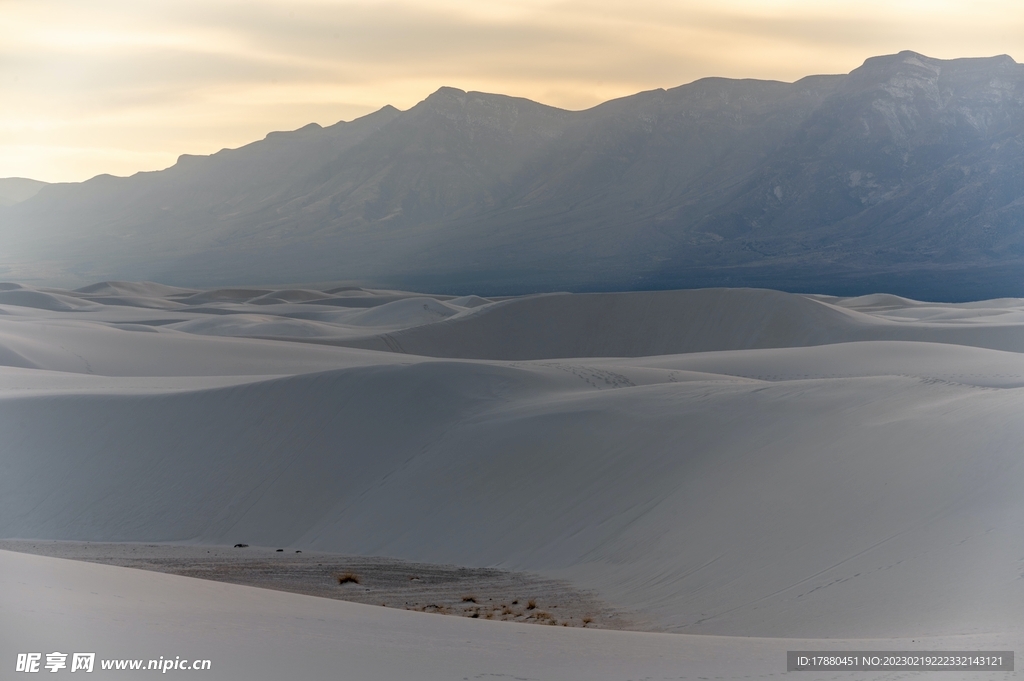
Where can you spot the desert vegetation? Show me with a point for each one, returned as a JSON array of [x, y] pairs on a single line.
[[349, 578]]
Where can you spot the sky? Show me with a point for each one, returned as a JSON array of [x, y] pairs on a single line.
[[121, 86]]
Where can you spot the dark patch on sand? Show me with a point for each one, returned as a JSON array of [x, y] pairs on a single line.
[[483, 593]]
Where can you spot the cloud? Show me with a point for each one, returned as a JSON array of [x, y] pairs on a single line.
[[131, 85]]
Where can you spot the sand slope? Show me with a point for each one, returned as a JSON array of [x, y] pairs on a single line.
[[257, 635], [843, 489], [721, 506], [669, 322]]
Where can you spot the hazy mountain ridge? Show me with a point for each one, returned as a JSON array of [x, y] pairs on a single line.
[[907, 175], [900, 139], [17, 189]]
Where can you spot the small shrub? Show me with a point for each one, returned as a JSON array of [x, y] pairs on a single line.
[[348, 578], [469, 599], [531, 604], [587, 620]]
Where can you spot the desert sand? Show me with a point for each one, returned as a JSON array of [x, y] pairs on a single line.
[[250, 634], [476, 593], [744, 465]]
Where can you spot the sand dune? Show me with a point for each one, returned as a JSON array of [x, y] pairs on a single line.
[[548, 326], [930, 361], [810, 473], [259, 635], [132, 349], [531, 327], [249, 325], [41, 300], [406, 313], [729, 507], [670, 322], [629, 325], [146, 289]]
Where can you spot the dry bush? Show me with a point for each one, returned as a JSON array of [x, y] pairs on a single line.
[[506, 610], [587, 620], [348, 578], [469, 599], [531, 604]]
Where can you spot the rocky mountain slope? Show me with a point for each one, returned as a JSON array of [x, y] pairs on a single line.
[[905, 175]]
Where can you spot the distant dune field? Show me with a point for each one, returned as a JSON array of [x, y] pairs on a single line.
[[727, 462]]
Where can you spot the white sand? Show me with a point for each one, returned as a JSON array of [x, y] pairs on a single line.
[[824, 468], [249, 634]]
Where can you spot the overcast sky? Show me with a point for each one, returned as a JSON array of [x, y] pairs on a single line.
[[118, 86]]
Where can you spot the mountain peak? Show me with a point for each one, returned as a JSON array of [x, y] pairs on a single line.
[[909, 58], [891, 63], [445, 93], [450, 101]]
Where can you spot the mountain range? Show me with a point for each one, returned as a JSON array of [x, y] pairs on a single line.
[[905, 175]]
